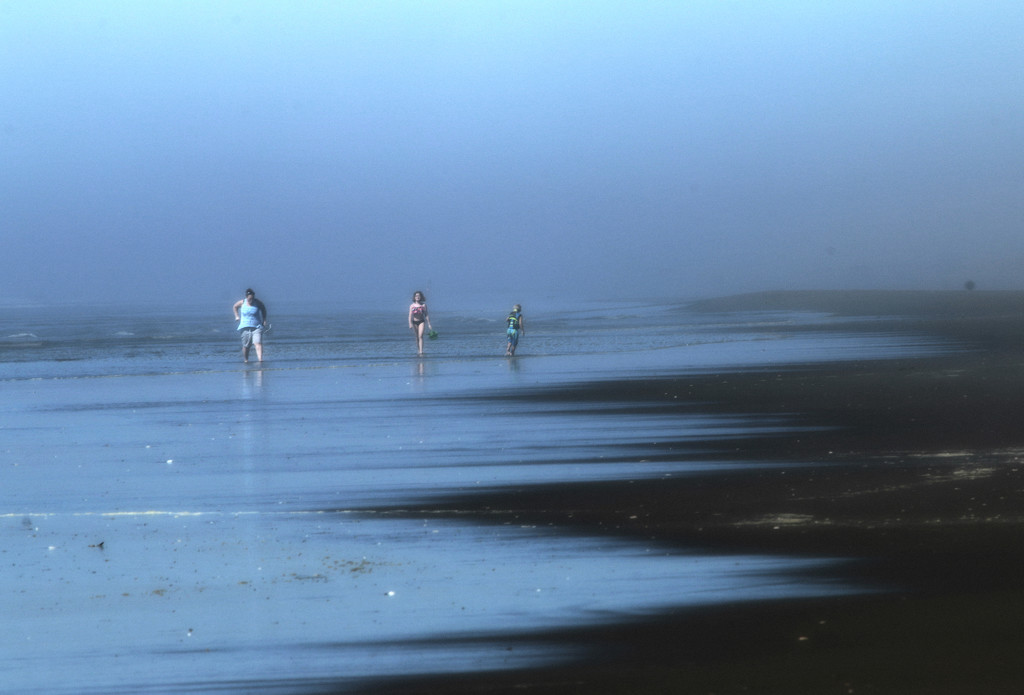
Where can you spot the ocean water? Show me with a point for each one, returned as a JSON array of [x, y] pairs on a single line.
[[174, 520]]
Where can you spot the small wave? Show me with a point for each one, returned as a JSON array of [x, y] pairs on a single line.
[[23, 336]]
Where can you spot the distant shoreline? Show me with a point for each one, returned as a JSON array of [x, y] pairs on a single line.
[[911, 303], [987, 320]]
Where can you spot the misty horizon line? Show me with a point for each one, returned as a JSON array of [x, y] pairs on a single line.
[[376, 305]]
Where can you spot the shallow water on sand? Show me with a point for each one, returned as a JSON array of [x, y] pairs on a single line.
[[176, 521]]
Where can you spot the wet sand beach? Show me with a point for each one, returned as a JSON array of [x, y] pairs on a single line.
[[913, 468], [774, 493]]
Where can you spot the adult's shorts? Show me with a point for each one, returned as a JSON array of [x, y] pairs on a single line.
[[252, 336]]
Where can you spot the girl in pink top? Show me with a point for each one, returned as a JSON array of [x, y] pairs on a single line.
[[418, 318]]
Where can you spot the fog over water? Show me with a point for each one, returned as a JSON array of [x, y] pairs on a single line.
[[489, 152]]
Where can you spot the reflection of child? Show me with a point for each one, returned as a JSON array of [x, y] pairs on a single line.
[[516, 325]]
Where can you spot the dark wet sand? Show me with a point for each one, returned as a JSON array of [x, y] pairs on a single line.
[[914, 469]]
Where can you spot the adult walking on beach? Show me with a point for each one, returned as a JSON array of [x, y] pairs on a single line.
[[251, 315], [516, 326], [419, 318]]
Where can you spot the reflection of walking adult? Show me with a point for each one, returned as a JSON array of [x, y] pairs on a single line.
[[516, 326], [251, 315], [418, 319]]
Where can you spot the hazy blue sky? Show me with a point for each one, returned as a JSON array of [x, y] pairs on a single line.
[[354, 151]]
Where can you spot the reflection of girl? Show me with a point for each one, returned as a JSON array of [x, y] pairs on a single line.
[[418, 318]]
